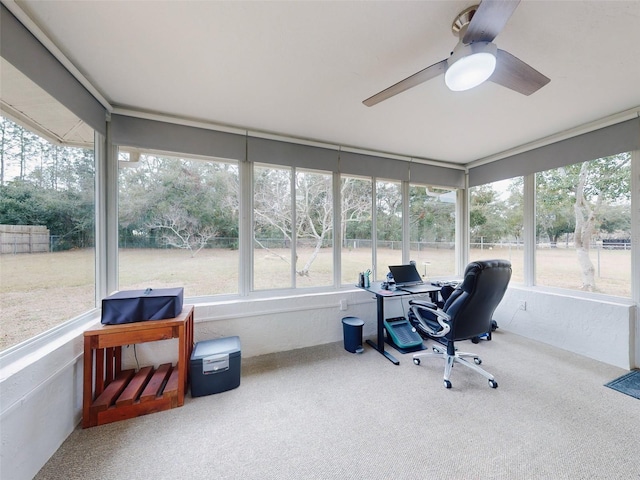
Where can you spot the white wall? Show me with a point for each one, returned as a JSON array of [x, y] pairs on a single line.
[[269, 325], [596, 326], [42, 396], [41, 405]]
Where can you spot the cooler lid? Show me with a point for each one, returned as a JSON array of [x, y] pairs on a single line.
[[226, 345]]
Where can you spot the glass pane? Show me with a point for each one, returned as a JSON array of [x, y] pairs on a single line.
[[496, 222], [314, 229], [272, 230], [388, 226], [178, 225], [583, 226], [432, 220], [356, 196], [47, 222]]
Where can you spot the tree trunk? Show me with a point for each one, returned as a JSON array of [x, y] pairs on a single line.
[[305, 270], [585, 224]]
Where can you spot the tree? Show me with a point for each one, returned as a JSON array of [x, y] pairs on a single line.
[[388, 211], [615, 220], [356, 223], [272, 206], [274, 217], [597, 182], [514, 209], [63, 213], [579, 199], [181, 230], [18, 147], [46, 184], [554, 203], [314, 212], [486, 215], [431, 215], [182, 203]]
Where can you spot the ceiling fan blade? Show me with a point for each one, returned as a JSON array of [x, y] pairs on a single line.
[[489, 20], [409, 82], [513, 73]]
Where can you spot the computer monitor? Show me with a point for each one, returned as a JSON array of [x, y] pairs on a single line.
[[405, 275]]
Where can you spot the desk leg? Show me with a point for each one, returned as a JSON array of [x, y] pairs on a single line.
[[380, 341], [434, 296]]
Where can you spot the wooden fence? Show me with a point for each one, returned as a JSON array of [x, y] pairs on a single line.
[[23, 239]]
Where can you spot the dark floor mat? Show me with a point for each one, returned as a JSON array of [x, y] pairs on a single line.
[[628, 384]]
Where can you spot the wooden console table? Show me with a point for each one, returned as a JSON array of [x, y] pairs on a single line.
[[110, 393]]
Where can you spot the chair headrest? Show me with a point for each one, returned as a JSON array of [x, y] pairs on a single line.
[[474, 268]]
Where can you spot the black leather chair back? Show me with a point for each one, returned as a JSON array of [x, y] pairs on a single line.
[[472, 304]]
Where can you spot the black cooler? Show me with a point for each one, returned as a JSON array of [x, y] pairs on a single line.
[[215, 366]]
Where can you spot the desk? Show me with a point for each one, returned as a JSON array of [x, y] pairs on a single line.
[[110, 393], [380, 294]]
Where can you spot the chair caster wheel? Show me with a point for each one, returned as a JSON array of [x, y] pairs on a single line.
[[477, 360], [447, 384], [475, 340], [493, 384], [416, 361]]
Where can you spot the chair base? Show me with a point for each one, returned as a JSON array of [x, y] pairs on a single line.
[[459, 357]]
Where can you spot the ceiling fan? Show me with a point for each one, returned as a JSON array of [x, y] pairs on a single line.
[[476, 58]]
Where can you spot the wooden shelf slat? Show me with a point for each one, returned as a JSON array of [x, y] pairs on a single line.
[[115, 414], [137, 383], [171, 389], [113, 391], [154, 387]]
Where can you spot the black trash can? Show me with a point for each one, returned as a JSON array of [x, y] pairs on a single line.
[[352, 329]]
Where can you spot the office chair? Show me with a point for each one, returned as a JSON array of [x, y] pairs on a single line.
[[466, 314]]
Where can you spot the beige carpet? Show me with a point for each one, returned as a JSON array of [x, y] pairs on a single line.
[[322, 413]]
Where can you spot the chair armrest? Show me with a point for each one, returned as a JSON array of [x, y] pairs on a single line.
[[431, 307], [441, 317], [424, 304]]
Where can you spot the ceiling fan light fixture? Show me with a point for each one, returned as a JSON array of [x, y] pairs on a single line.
[[470, 65]]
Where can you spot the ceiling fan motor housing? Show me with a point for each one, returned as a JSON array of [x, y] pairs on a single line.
[[470, 65]]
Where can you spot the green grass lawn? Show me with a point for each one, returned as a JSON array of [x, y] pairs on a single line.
[[39, 291]]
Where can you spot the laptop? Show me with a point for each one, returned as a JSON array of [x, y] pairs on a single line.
[[408, 279]]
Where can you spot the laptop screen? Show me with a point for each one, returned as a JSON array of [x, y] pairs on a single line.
[[405, 275]]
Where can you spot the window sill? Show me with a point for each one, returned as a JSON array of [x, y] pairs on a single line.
[[563, 292], [24, 354]]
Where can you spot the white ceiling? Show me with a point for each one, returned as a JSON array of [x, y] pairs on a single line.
[[302, 69]]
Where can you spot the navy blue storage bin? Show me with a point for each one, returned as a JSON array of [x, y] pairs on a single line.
[[215, 366]]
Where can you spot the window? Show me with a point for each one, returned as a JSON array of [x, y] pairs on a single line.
[[583, 226], [178, 224], [496, 224], [314, 229], [356, 197], [388, 226], [276, 264], [432, 228], [47, 222], [272, 227]]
